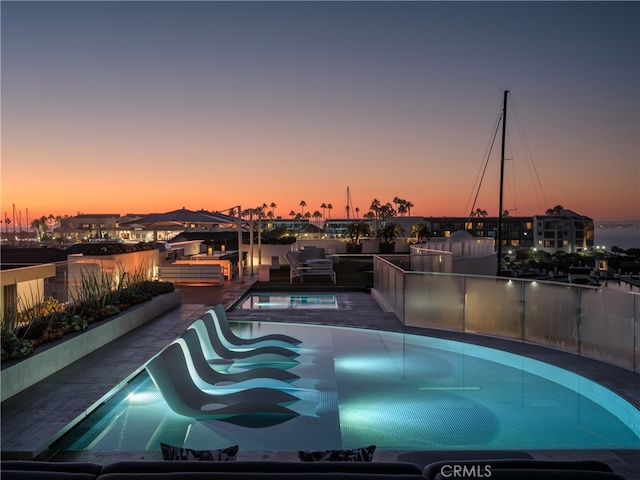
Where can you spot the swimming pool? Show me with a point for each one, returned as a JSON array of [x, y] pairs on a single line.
[[288, 301], [394, 390]]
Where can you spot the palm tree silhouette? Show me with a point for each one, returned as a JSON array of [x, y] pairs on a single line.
[[408, 205], [316, 215]]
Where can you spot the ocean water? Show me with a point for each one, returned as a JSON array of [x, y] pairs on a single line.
[[624, 238]]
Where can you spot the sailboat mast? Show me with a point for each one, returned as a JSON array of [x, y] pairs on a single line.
[[504, 131]]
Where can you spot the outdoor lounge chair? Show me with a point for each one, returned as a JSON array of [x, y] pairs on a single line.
[[213, 322], [301, 268], [260, 377], [230, 340], [272, 339], [170, 374], [212, 348]]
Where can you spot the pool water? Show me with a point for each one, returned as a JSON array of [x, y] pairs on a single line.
[[392, 390], [288, 301]]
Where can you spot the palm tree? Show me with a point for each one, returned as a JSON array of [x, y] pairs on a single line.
[[479, 212], [397, 201], [273, 209], [292, 214], [347, 209], [357, 210], [329, 207], [402, 208], [557, 210], [316, 215], [302, 204], [420, 232], [408, 205], [386, 211], [356, 231], [375, 206], [388, 234], [323, 206], [38, 226]]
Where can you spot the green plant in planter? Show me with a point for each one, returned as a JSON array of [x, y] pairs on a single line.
[[77, 323], [110, 310], [387, 235], [13, 347], [420, 233], [356, 231]]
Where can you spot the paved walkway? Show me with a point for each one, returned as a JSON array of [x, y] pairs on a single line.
[[32, 418]]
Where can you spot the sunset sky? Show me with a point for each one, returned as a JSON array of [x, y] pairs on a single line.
[[140, 107]]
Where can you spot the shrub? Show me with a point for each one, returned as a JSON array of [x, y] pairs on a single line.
[[13, 347], [77, 323], [111, 310], [94, 299]]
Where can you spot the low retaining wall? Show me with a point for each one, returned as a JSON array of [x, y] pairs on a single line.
[[40, 365]]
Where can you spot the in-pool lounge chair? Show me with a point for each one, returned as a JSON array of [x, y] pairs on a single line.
[[215, 325], [170, 374], [213, 348], [275, 378], [277, 339]]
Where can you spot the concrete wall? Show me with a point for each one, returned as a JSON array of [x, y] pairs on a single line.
[[24, 287]]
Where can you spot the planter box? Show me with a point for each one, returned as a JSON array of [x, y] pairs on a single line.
[[39, 365]]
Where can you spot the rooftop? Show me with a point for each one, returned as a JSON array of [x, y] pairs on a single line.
[[32, 417]]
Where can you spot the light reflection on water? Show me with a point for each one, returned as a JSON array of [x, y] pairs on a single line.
[[288, 301], [392, 390]]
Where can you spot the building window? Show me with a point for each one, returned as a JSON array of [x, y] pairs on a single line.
[[549, 244]]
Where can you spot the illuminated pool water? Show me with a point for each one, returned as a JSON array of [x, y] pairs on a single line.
[[288, 301], [392, 390]]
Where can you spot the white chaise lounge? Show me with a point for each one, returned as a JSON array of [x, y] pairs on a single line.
[[302, 267]]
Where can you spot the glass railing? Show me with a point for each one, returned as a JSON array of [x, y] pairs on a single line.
[[594, 322]]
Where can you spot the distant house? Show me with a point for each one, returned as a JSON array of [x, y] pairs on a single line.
[[83, 227], [568, 231]]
